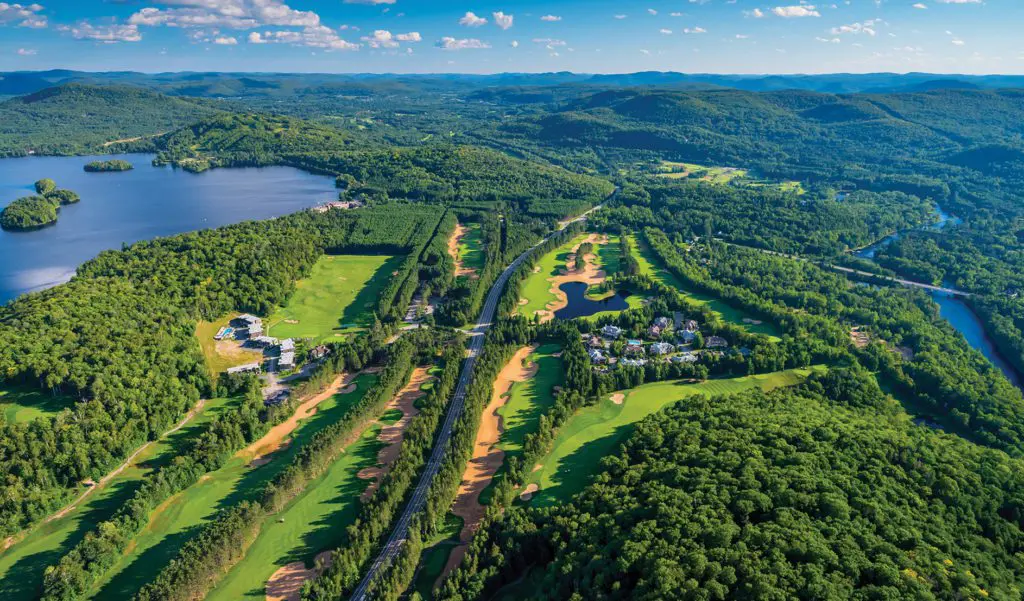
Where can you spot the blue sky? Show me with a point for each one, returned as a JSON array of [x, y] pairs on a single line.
[[481, 36]]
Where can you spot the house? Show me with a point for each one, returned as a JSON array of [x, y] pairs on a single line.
[[597, 357], [685, 358], [288, 345], [611, 332], [691, 326], [338, 204], [253, 368], [687, 336], [716, 342], [277, 399], [634, 347], [264, 341], [677, 320], [250, 323], [319, 352], [634, 362], [596, 342], [661, 348], [663, 322], [286, 360], [654, 332]]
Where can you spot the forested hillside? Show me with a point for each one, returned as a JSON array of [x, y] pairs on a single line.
[[821, 492]]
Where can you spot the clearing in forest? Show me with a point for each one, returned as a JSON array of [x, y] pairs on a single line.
[[595, 431], [650, 265], [22, 565], [338, 297], [21, 404], [723, 176], [222, 354], [174, 522], [466, 248]]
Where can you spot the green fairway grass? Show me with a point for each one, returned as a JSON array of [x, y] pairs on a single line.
[[179, 519], [471, 248], [650, 266], [596, 431], [338, 296], [21, 566], [314, 522], [20, 404], [537, 289]]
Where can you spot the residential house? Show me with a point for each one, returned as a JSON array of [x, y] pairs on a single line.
[[661, 348], [633, 362], [685, 358], [286, 360], [634, 347], [288, 345], [264, 341], [663, 322], [319, 352], [687, 336], [254, 368], [597, 357], [654, 332], [597, 342], [691, 326], [611, 332], [716, 342]]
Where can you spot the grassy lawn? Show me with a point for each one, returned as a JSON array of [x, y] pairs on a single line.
[[225, 353], [650, 266], [471, 249], [338, 296], [714, 175], [21, 566], [537, 289], [179, 518], [596, 431], [20, 403]]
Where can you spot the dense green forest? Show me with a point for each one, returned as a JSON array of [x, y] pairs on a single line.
[[826, 491], [104, 166], [33, 212]]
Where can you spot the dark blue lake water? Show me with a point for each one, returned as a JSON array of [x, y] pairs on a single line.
[[581, 306], [147, 202], [961, 317]]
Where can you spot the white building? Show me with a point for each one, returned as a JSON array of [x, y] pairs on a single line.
[[287, 345], [684, 358], [612, 332], [286, 360], [661, 348], [244, 369]]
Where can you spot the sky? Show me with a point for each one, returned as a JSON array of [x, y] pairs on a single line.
[[481, 36]]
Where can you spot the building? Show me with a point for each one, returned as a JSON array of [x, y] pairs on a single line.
[[264, 341], [338, 204], [661, 348], [634, 347], [634, 362], [597, 357], [286, 360], [287, 345], [319, 352], [597, 342], [687, 336], [611, 332], [663, 322], [677, 320], [253, 368], [685, 358], [654, 332], [716, 342], [691, 326]]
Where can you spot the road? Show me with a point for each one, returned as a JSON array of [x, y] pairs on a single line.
[[419, 497]]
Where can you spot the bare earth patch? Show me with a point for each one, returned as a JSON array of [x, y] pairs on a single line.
[[286, 583], [453, 250], [392, 436], [528, 492], [588, 273], [618, 398], [487, 457]]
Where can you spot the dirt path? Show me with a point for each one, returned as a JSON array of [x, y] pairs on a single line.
[[589, 274], [453, 250], [286, 583], [126, 140], [277, 437], [487, 457], [392, 436]]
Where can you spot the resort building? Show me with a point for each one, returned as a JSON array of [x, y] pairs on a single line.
[[247, 368], [251, 324], [286, 360], [287, 345]]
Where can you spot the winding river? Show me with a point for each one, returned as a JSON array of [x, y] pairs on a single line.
[[147, 202]]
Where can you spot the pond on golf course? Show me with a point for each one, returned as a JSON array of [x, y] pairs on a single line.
[[581, 306]]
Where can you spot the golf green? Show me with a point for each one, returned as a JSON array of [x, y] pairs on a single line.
[[21, 404], [338, 296], [596, 431]]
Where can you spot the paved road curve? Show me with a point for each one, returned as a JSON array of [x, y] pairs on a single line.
[[419, 496]]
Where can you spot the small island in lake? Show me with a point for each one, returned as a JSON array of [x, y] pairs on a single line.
[[33, 212], [105, 166]]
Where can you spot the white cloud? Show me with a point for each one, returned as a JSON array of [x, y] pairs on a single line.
[[675, 14], [502, 20], [450, 43], [374, 2], [959, 42], [828, 40], [866, 27], [107, 33], [549, 42], [695, 30], [645, 52], [620, 17], [740, 36], [960, 1], [26, 52], [550, 18], [234, 14], [383, 38], [26, 15], [757, 13], [666, 32], [471, 20], [789, 12], [225, 40], [514, 44], [412, 36], [921, 6], [652, 12], [313, 37]]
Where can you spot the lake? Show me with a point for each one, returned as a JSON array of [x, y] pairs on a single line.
[[125, 207], [961, 317], [581, 306]]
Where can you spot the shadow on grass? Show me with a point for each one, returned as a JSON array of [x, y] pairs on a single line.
[[360, 311], [578, 469]]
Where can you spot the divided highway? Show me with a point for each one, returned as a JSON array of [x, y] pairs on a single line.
[[419, 497]]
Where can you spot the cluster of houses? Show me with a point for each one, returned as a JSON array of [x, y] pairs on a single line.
[[249, 329], [338, 204], [636, 352]]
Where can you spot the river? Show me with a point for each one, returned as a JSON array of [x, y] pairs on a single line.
[[125, 207], [963, 318]]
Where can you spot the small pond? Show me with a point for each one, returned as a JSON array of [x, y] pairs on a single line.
[[581, 306]]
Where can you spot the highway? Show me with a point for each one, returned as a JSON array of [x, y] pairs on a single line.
[[419, 497]]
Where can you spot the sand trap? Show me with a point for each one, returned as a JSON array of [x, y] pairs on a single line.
[[618, 398], [453, 250], [392, 436], [524, 301], [286, 583], [487, 457], [291, 321], [528, 492], [278, 437], [588, 273]]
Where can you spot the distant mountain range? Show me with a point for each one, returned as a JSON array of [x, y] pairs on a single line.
[[225, 85]]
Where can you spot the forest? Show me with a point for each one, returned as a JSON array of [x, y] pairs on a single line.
[[34, 212]]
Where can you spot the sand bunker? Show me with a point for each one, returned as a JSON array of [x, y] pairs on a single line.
[[392, 436], [587, 273], [487, 457], [528, 492], [286, 583], [278, 437], [618, 398], [453, 249]]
